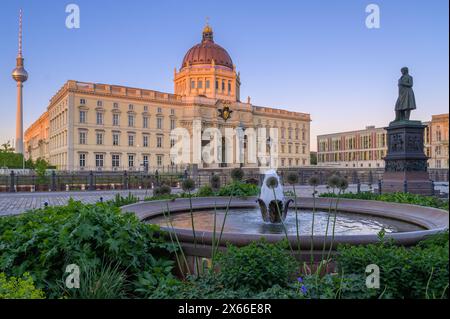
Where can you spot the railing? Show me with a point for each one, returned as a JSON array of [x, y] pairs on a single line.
[[87, 181]]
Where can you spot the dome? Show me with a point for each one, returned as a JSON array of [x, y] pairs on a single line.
[[206, 51]]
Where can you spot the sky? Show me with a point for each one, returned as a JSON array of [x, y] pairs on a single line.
[[316, 57]]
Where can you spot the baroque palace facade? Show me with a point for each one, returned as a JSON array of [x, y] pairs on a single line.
[[90, 126], [367, 148]]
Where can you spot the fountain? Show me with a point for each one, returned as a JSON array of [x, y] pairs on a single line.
[[271, 199], [358, 222]]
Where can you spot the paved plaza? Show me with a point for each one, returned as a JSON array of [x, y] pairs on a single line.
[[17, 203]]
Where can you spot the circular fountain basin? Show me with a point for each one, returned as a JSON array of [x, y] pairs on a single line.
[[358, 222]]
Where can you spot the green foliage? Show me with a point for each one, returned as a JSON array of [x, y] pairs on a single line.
[[119, 200], [238, 189], [404, 198], [237, 174], [257, 266], [215, 182], [421, 271], [42, 242], [163, 190], [104, 281], [19, 288], [336, 286], [188, 185], [205, 191]]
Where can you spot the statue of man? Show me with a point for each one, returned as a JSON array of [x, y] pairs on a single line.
[[406, 100]]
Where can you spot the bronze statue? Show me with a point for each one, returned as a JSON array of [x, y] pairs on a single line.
[[406, 100]]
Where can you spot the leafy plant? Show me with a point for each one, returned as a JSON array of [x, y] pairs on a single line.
[[120, 201], [257, 266], [104, 281], [404, 198], [42, 242], [421, 271], [21, 287], [205, 191], [239, 189]]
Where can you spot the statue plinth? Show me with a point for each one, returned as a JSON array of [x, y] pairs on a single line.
[[406, 162]]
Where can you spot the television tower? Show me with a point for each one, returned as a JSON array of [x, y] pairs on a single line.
[[20, 75]]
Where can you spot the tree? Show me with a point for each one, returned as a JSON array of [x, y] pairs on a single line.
[[313, 158]]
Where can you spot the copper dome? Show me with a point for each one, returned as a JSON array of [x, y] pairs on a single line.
[[206, 51]]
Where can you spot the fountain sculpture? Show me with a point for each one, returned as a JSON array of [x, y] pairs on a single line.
[[271, 200]]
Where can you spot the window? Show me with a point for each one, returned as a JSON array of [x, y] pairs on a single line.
[[159, 159], [145, 160], [130, 160], [116, 139], [99, 118], [172, 111], [223, 85], [159, 123], [217, 85], [200, 84], [159, 140], [207, 84], [131, 120], [145, 140], [99, 160], [172, 142], [130, 140], [159, 110], [82, 101], [115, 160], [145, 122], [130, 107], [115, 105], [99, 138], [229, 86], [83, 138], [99, 103], [82, 160], [115, 119], [192, 84], [145, 108], [172, 124], [82, 116]]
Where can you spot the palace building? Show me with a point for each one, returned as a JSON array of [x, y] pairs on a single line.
[[92, 126], [367, 148]]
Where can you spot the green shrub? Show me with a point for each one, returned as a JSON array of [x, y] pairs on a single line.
[[239, 189], [404, 198], [104, 281], [120, 201], [19, 288], [205, 191], [237, 174], [162, 191], [42, 242], [421, 271], [335, 286], [257, 266]]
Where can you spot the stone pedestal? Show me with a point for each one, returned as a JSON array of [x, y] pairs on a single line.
[[406, 162]]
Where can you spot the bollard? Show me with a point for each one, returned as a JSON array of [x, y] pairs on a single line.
[[91, 181], [405, 186], [11, 182], [53, 187]]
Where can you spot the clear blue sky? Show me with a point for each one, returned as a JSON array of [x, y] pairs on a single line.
[[309, 56]]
